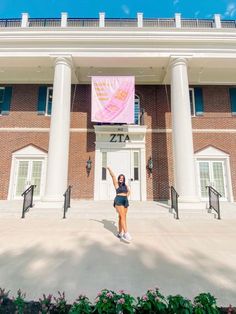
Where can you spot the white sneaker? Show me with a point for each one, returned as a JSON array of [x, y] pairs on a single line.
[[119, 235], [127, 237]]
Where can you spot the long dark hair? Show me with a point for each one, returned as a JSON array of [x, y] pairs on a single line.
[[123, 183]]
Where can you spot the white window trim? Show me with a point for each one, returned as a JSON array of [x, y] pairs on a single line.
[[28, 152], [210, 154], [2, 87], [47, 99], [191, 90]]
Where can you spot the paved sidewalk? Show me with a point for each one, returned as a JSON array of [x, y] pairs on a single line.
[[44, 253]]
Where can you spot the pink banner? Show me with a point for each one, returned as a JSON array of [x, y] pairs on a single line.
[[113, 99]]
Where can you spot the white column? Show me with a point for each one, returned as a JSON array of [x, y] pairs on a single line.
[[217, 21], [178, 20], [64, 16], [24, 19], [101, 19], [58, 152], [185, 180], [140, 19]]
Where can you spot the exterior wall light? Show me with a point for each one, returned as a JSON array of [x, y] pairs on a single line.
[[150, 165], [89, 165]]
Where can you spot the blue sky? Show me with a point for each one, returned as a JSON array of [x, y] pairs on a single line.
[[119, 8]]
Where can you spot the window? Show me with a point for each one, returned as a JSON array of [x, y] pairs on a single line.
[[49, 101], [104, 166], [44, 100], [196, 101], [136, 110], [5, 100], [232, 94], [2, 93], [136, 166], [192, 102]]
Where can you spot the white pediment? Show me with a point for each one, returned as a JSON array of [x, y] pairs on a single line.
[[211, 151], [30, 150]]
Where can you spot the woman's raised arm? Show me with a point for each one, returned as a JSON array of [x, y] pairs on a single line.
[[115, 183]]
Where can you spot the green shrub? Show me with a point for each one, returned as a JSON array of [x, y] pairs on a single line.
[[46, 304], [205, 303], [110, 302], [19, 302], [82, 305], [105, 303], [60, 303], [125, 303], [180, 305], [152, 302], [3, 296]]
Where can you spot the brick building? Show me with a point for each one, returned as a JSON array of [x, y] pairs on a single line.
[[185, 106]]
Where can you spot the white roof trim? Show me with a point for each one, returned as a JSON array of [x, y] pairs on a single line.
[[211, 151], [30, 150]]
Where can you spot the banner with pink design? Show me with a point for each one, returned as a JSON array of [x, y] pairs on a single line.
[[113, 99]]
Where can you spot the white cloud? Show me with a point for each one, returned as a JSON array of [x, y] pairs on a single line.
[[175, 2], [230, 10], [125, 9]]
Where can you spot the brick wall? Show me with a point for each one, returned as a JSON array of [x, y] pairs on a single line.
[[156, 102]]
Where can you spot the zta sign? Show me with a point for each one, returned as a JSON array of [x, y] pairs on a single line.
[[119, 138]]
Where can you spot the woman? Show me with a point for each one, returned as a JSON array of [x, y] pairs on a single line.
[[121, 204]]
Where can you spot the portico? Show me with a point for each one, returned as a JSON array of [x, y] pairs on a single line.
[[179, 57]]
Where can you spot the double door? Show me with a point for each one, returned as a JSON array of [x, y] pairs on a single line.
[[126, 162], [28, 172], [212, 172]]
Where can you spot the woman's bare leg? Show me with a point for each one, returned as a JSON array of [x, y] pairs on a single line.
[[125, 214], [122, 214], [120, 226]]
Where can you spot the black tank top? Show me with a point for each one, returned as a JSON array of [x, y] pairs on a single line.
[[121, 189]]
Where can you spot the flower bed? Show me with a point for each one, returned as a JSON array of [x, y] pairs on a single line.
[[110, 302]]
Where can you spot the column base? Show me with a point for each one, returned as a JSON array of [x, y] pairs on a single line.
[[46, 204], [50, 202], [190, 203]]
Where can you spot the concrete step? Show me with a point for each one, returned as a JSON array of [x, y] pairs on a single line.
[[79, 213], [100, 209]]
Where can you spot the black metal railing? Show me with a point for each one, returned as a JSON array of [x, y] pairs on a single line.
[[214, 200], [28, 195], [67, 195], [10, 22], [117, 23], [174, 201]]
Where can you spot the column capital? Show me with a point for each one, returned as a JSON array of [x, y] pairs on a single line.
[[179, 60], [62, 59]]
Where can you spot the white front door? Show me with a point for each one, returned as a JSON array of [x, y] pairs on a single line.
[[124, 162], [212, 172], [28, 172]]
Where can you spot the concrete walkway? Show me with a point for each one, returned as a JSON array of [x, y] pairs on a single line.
[[44, 253]]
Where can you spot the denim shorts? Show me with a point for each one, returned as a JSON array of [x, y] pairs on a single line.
[[121, 201]]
